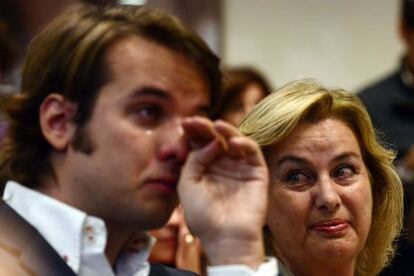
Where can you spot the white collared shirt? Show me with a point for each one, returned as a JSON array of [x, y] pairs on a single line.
[[80, 239]]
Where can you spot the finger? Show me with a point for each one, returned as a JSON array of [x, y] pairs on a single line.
[[244, 148], [200, 131], [225, 129], [207, 154], [198, 161]]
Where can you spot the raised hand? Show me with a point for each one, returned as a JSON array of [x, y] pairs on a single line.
[[223, 189]]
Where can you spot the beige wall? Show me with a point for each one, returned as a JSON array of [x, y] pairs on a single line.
[[346, 43]]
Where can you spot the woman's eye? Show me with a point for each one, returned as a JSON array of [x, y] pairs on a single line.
[[344, 171], [296, 177]]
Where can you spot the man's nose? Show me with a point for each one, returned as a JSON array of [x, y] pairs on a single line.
[[326, 195], [174, 146]]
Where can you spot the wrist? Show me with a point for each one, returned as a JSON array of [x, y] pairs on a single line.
[[234, 251], [268, 267]]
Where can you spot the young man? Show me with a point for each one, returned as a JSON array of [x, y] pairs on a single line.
[[112, 117]]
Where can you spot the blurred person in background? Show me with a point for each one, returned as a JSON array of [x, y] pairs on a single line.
[[8, 53], [175, 246], [390, 103], [24, 20], [243, 88]]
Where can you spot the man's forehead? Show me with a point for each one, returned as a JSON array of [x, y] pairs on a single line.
[[136, 50], [148, 65]]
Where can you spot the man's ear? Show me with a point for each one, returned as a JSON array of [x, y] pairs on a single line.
[[56, 113]]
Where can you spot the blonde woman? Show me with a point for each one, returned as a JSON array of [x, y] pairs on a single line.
[[335, 204]]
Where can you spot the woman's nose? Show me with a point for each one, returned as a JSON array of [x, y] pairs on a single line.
[[327, 197]]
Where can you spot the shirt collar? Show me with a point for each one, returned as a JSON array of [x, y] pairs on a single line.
[[70, 232]]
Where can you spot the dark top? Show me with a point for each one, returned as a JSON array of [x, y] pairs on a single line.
[[390, 102], [23, 251]]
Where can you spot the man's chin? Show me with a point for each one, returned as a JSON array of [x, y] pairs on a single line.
[[159, 217]]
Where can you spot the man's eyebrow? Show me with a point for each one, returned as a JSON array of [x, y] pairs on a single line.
[[150, 91], [145, 91]]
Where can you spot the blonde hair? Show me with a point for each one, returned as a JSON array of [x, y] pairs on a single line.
[[275, 117]]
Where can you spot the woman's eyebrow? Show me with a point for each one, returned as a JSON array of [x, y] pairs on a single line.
[[346, 155], [292, 158], [303, 161]]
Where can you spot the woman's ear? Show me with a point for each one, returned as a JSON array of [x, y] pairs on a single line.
[[55, 115]]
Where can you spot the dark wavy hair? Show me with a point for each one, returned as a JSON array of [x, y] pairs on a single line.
[[67, 58]]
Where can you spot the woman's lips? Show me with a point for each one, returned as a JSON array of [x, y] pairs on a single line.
[[334, 226]]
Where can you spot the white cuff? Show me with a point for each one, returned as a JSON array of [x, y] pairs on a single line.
[[268, 268]]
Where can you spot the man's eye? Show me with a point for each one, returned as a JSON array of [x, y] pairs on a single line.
[[344, 171], [148, 114]]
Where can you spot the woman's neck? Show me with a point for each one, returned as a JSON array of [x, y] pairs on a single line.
[[313, 268]]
